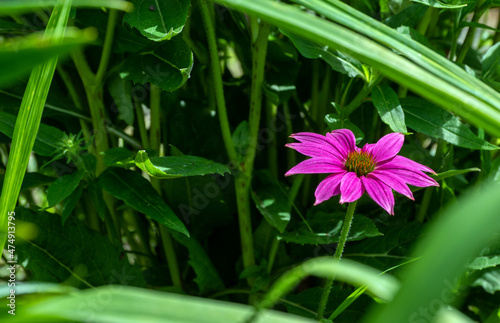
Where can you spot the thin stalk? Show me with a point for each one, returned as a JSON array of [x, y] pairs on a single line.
[[478, 12], [360, 97], [106, 49], [292, 161], [155, 131], [154, 138], [272, 254], [271, 112], [338, 254], [217, 81], [142, 126], [243, 179]]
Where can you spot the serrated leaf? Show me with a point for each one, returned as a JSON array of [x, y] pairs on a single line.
[[158, 20], [47, 140], [425, 117], [334, 122], [207, 277], [62, 187], [488, 257], [439, 4], [272, 203], [489, 281], [178, 166], [387, 103], [337, 60], [137, 192], [72, 254], [327, 227], [167, 65]]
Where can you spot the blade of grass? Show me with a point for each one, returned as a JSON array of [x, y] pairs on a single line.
[[28, 119]]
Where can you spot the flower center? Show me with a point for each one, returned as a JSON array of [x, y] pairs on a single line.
[[361, 163]]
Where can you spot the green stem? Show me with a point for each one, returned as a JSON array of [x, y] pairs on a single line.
[[272, 254], [142, 126], [478, 12], [154, 136], [217, 81], [106, 49], [173, 266], [271, 112], [338, 254], [360, 97], [155, 131], [424, 206], [242, 185]]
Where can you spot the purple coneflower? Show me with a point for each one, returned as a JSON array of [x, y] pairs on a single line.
[[375, 168]]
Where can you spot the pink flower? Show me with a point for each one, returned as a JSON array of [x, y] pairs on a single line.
[[375, 168]]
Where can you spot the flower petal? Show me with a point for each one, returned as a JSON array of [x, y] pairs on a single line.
[[415, 178], [351, 188], [387, 147], [317, 166], [315, 145], [400, 162], [380, 193], [343, 139], [328, 187], [394, 182]]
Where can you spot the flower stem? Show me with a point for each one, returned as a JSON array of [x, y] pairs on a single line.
[[338, 254], [217, 81]]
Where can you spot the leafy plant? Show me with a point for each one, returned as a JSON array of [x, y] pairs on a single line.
[[143, 157]]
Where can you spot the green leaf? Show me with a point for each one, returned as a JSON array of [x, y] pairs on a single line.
[[48, 138], [158, 20], [73, 254], [94, 189], [167, 66], [19, 55], [241, 139], [428, 119], [70, 203], [327, 227], [126, 304], [118, 156], [489, 281], [487, 258], [35, 179], [272, 203], [137, 192], [491, 63], [207, 277], [337, 60], [408, 17], [387, 103], [122, 100], [334, 122], [451, 240], [62, 187], [439, 4], [454, 172], [13, 7], [178, 166]]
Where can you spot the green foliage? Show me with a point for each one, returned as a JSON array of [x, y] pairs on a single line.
[[141, 196], [206, 94], [178, 166], [158, 20]]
